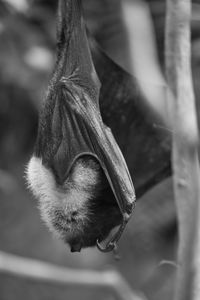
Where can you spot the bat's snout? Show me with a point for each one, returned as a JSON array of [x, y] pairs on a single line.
[[76, 247]]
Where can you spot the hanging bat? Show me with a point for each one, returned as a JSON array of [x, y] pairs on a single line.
[[77, 170]]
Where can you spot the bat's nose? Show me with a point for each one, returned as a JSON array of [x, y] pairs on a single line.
[[76, 247]]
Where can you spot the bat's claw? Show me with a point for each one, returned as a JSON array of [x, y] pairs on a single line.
[[109, 247], [112, 244]]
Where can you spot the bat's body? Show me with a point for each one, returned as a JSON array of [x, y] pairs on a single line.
[[69, 210]]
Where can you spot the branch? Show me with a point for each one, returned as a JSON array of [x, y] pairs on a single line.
[[143, 53], [185, 147], [40, 271]]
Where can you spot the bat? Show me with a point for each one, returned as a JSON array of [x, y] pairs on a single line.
[[77, 170]]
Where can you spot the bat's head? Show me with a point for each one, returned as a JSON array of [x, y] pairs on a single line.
[[80, 211]]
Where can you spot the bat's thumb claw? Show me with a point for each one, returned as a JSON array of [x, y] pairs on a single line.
[[112, 244], [109, 247]]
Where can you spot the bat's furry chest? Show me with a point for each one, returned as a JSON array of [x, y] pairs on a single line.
[[83, 184], [65, 208]]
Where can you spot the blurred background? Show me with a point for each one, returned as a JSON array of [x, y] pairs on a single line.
[[27, 55]]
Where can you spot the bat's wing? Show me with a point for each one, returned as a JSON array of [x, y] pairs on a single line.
[[142, 137], [70, 123]]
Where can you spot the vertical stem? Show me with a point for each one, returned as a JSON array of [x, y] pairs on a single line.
[[184, 146]]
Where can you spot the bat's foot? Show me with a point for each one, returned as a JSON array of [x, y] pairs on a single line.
[[112, 244], [109, 247]]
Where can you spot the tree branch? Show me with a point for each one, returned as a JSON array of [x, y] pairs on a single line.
[[45, 272], [185, 147]]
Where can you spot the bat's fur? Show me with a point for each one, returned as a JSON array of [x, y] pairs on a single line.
[[83, 202]]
